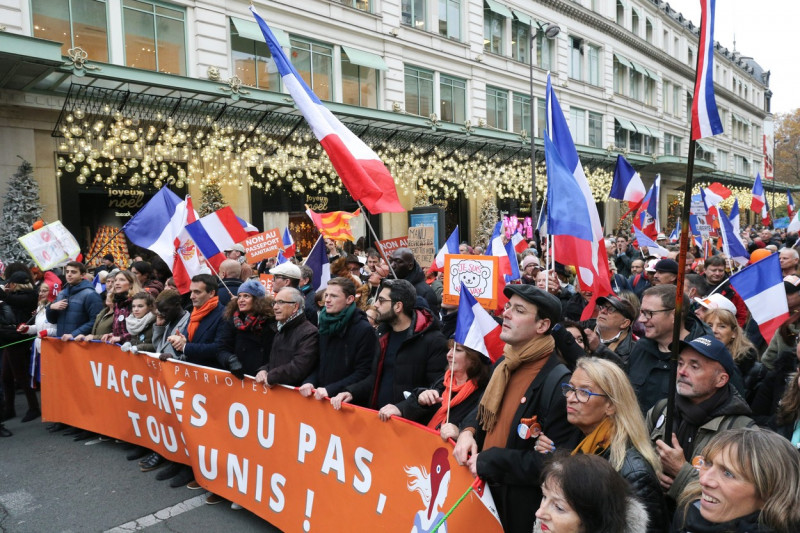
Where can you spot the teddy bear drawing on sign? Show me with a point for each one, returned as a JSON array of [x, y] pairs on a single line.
[[473, 274]]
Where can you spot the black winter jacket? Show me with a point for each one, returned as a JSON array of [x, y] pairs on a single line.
[[646, 487], [252, 348], [295, 352], [417, 278], [420, 361]]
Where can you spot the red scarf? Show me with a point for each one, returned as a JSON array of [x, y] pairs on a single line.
[[462, 392], [198, 314]]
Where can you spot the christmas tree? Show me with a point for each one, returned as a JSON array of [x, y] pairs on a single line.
[[487, 219], [212, 199], [21, 208]]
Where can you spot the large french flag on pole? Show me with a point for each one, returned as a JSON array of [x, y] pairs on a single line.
[[731, 245], [759, 202], [216, 233], [761, 287], [362, 172], [476, 329], [289, 247], [572, 217], [705, 116], [156, 225], [317, 260], [450, 248], [627, 185], [506, 254]]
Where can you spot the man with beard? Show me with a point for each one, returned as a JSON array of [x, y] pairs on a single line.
[[715, 275], [405, 267], [413, 352]]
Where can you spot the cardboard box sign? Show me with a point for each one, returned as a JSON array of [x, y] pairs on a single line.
[[421, 241], [478, 272], [263, 245]]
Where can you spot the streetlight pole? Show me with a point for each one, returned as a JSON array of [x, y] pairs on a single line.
[[549, 31]]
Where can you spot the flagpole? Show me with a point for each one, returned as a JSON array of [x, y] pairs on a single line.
[[447, 419], [100, 250], [375, 235]]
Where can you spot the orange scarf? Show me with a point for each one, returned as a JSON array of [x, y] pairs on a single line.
[[462, 392], [596, 442], [198, 314]]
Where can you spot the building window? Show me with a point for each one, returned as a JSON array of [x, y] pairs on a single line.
[[362, 5], [75, 22], [252, 62], [666, 41], [741, 165], [155, 37], [635, 22], [359, 84], [690, 57], [544, 52], [648, 30], [576, 58], [635, 142], [676, 47], [520, 41], [672, 144], [453, 99], [676, 100], [701, 153], [620, 137], [620, 13], [595, 138], [634, 88], [522, 114], [541, 116], [413, 13], [620, 75], [594, 65], [493, 29], [649, 145], [722, 161], [497, 108], [450, 19], [419, 91], [649, 91], [577, 124], [314, 62]]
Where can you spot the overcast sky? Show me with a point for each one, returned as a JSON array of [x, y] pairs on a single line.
[[767, 31]]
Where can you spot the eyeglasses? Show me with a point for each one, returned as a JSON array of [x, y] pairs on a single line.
[[279, 276], [647, 314], [582, 395], [382, 300], [281, 302], [608, 308]]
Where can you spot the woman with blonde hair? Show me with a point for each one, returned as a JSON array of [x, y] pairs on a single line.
[[602, 404], [749, 480], [727, 330], [124, 286]]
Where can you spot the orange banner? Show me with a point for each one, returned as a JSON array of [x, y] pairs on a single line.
[[293, 461]]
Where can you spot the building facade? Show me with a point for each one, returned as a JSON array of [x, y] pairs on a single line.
[[111, 99]]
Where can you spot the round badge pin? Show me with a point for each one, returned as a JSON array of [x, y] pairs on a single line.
[[524, 432], [660, 421]]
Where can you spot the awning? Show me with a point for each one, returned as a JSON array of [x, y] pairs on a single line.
[[704, 147], [640, 69], [623, 61], [522, 17], [498, 8], [626, 124], [249, 30], [644, 130], [654, 74], [364, 59], [741, 119]]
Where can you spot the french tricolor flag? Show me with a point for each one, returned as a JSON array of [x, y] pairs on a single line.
[[790, 210], [475, 327], [646, 218], [572, 217], [627, 185], [216, 233], [518, 242], [289, 247], [761, 287], [450, 248], [317, 260], [156, 225], [363, 173], [759, 202], [705, 116], [731, 245], [506, 254]]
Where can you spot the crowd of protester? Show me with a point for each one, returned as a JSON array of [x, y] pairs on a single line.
[[567, 427]]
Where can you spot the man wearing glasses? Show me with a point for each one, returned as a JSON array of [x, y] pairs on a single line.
[[523, 398], [612, 337], [648, 365], [295, 349]]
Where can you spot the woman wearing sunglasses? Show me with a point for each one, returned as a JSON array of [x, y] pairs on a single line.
[[602, 404]]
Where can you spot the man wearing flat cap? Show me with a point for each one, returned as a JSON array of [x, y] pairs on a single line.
[[612, 337], [705, 404], [523, 397], [666, 272]]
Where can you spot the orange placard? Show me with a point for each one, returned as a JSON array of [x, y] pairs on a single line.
[[263, 245], [390, 245], [294, 461], [266, 280], [478, 272]]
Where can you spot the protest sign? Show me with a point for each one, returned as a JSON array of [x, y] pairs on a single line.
[[390, 245], [262, 245], [478, 272], [266, 280], [50, 246], [421, 241], [291, 460]]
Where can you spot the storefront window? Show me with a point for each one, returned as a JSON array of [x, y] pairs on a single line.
[[155, 37], [453, 95], [359, 84], [419, 91], [314, 62], [252, 62], [80, 23], [497, 108]]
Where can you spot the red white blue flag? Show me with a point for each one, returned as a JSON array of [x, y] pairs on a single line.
[[790, 204], [572, 217], [506, 254], [450, 248], [215, 233], [761, 287], [759, 202], [705, 116], [289, 247], [475, 327], [646, 218], [627, 185], [362, 172]]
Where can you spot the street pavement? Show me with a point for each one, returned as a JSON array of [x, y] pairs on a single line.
[[49, 483]]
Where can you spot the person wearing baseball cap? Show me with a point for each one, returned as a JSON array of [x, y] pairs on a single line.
[[713, 301], [236, 252], [524, 388], [705, 403]]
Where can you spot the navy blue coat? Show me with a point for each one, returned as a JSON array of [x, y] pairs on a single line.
[[203, 347], [84, 306]]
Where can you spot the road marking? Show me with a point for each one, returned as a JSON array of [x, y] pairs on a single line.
[[160, 516]]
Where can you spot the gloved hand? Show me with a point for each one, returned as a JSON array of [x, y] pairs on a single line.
[[126, 347], [235, 366]]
